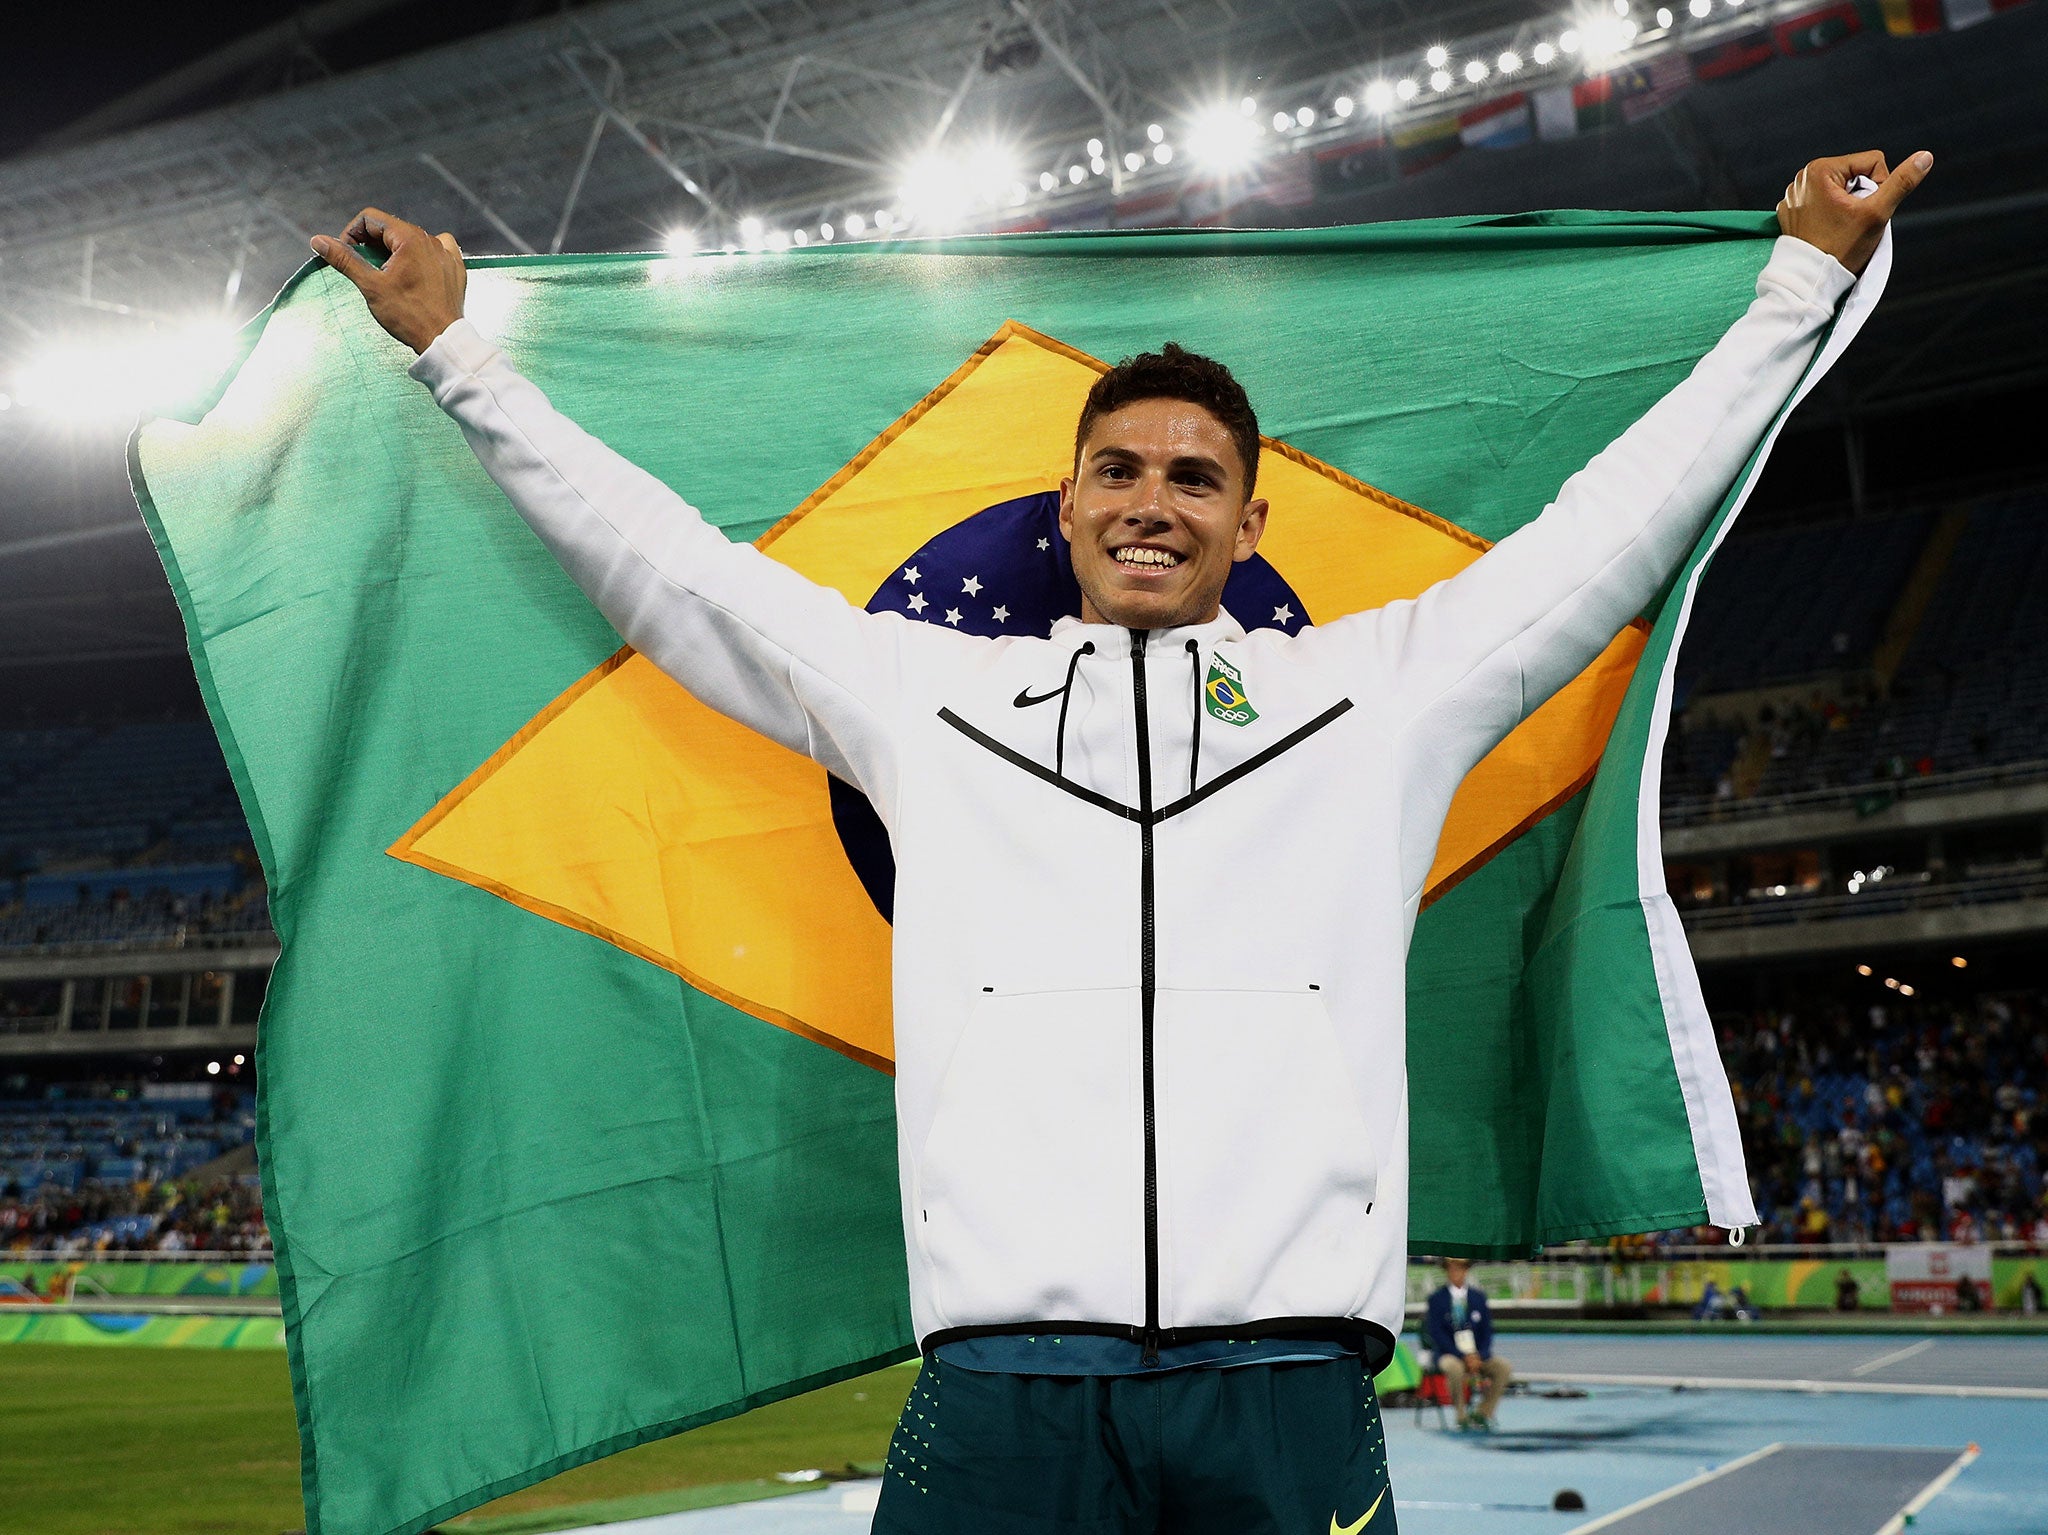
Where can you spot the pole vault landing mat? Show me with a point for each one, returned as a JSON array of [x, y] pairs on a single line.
[[1796, 1489]]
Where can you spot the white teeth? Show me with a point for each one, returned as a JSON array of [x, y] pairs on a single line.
[[1135, 556]]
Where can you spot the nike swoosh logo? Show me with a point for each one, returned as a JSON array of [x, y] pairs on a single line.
[[1363, 1519], [1024, 700]]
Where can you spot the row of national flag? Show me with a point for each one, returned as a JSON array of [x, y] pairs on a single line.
[[1627, 94]]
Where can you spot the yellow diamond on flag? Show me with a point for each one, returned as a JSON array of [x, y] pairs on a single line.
[[629, 810]]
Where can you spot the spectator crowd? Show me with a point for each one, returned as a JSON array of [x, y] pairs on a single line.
[[1896, 1120], [223, 1215]]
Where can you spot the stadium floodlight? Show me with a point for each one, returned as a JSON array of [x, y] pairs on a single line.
[[751, 229], [1221, 140], [1379, 98], [1905, 990], [1509, 62], [1863, 969], [213, 1068], [110, 381], [1162, 154], [1133, 160], [1406, 90], [1155, 133], [1664, 17], [1440, 81], [1621, 7], [6, 400], [990, 173], [1959, 962], [778, 239], [1543, 53], [1342, 106], [1098, 165], [1475, 71], [1282, 122], [935, 191], [1701, 7], [1047, 181], [1568, 41], [1605, 37], [1437, 57], [1306, 117], [1095, 149], [1249, 107], [826, 232], [800, 236], [680, 242], [856, 225], [1076, 174]]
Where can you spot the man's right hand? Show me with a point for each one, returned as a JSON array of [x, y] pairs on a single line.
[[417, 293], [1472, 1362]]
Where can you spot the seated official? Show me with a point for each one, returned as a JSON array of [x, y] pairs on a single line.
[[1457, 1328]]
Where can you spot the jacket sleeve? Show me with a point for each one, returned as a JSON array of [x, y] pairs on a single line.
[[747, 635], [1436, 1324], [1470, 658], [1482, 1324]]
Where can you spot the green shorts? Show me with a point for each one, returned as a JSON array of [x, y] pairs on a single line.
[[1290, 1449]]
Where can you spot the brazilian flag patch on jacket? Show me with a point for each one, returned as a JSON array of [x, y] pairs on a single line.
[[1226, 695]]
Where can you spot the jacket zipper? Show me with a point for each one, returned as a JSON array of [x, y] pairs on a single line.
[[1147, 995]]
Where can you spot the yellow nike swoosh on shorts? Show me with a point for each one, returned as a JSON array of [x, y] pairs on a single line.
[[1363, 1519]]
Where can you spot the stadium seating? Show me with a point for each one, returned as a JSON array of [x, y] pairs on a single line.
[[1899, 1120], [1791, 603], [1810, 604], [100, 1171], [130, 834]]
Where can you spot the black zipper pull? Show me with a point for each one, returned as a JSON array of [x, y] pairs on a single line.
[[1150, 1358]]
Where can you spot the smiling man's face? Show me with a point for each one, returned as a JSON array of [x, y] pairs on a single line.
[[1156, 514]]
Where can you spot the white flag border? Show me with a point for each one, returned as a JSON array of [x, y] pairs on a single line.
[[1709, 1104]]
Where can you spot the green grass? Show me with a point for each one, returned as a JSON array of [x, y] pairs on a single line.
[[113, 1441], [130, 1441]]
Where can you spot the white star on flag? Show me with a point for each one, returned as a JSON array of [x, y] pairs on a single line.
[[971, 586], [1283, 614], [910, 575], [952, 615], [1002, 615], [1044, 543], [916, 603]]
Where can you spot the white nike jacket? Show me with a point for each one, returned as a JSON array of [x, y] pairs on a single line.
[[1151, 1053]]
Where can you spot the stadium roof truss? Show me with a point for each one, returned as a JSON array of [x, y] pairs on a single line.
[[601, 127], [583, 129]]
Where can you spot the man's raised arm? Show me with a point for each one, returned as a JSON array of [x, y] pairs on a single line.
[[750, 637], [1477, 653]]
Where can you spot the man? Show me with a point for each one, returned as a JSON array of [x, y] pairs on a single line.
[[1458, 1328], [1154, 1184], [1848, 1293]]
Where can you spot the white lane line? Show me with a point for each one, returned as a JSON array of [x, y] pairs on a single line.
[[1893, 1357], [1927, 1494], [1671, 1492], [1810, 1387]]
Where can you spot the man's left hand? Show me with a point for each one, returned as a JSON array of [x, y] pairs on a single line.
[[1819, 208]]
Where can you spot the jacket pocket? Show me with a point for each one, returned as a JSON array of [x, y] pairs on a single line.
[[1267, 1168], [1029, 1199]]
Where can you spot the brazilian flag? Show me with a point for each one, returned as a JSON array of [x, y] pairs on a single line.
[[576, 1124]]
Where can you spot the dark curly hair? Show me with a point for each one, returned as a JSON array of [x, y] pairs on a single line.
[[1175, 373]]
